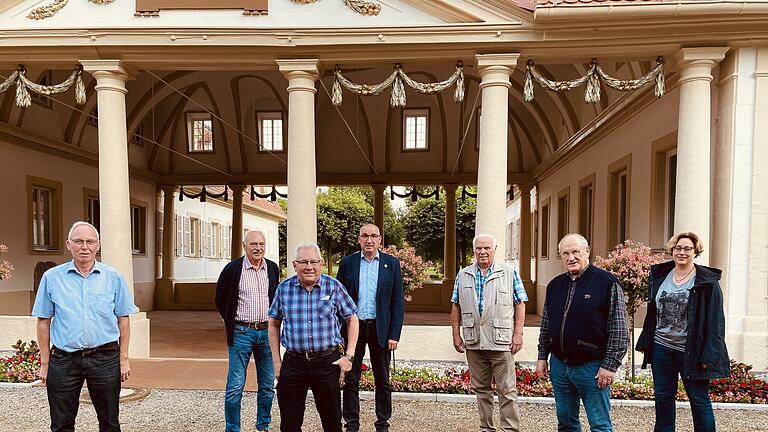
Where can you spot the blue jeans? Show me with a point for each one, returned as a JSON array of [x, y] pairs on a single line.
[[579, 382], [247, 341], [667, 365]]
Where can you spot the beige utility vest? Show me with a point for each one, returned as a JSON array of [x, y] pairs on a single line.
[[493, 330]]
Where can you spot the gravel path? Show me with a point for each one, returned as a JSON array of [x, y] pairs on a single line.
[[24, 410]]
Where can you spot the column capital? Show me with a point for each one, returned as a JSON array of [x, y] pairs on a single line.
[[696, 64], [524, 187], [496, 63], [379, 187], [237, 187], [299, 68], [169, 189], [715, 54], [106, 68], [450, 187]]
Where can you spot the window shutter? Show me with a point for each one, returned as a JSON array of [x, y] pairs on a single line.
[[187, 238], [159, 234], [225, 242], [179, 235], [206, 229]]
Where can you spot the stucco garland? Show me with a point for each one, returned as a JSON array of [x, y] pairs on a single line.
[[592, 80], [51, 9], [360, 6], [398, 79], [24, 85]]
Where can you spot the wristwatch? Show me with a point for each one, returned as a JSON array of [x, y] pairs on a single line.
[[351, 358]]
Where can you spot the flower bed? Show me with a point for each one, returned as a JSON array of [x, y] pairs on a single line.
[[23, 365], [740, 387]]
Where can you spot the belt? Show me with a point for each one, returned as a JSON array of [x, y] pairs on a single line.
[[369, 322], [312, 355], [261, 325], [85, 352]]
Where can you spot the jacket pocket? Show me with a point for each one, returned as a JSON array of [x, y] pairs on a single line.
[[586, 344], [468, 330], [502, 331]]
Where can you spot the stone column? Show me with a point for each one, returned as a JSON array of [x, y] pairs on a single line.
[[237, 220], [525, 243], [692, 195], [495, 70], [378, 207], [302, 181], [449, 246], [114, 192], [169, 232]]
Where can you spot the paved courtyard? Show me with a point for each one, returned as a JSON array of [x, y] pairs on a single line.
[[25, 410]]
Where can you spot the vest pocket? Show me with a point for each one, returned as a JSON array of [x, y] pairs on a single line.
[[468, 330], [586, 344], [502, 331]]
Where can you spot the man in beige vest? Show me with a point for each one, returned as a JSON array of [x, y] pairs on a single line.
[[487, 317]]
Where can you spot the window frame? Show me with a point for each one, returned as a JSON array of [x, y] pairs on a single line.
[[563, 213], [414, 113], [586, 224], [545, 213], [617, 170], [45, 78], [195, 237], [661, 151], [56, 227], [141, 207], [271, 115], [190, 117]]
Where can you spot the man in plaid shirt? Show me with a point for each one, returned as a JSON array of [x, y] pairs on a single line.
[[583, 327], [309, 304]]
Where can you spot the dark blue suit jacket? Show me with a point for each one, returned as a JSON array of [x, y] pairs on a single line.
[[390, 303]]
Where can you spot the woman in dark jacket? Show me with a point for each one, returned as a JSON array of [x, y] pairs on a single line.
[[684, 333]]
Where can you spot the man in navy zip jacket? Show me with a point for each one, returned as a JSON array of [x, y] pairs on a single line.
[[583, 327]]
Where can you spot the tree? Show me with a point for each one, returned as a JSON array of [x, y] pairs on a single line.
[[340, 214], [393, 230]]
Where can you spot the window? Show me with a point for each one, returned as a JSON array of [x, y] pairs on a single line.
[[587, 207], [563, 213], [92, 209], [618, 205], [138, 136], [159, 233], [138, 229], [271, 131], [415, 127], [225, 241], [44, 210], [179, 223], [663, 189], [545, 229], [194, 237], [200, 132], [45, 79], [93, 118], [215, 251]]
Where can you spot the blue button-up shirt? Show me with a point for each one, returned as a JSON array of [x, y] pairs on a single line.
[[310, 318], [518, 289], [84, 309], [369, 280]]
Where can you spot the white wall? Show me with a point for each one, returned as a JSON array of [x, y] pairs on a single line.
[[189, 269]]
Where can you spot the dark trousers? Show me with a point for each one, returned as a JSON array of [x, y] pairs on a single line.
[[66, 374], [297, 376], [667, 366], [380, 368]]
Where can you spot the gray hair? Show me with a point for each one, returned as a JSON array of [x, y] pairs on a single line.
[[82, 223], [580, 238], [254, 231], [307, 245], [483, 236]]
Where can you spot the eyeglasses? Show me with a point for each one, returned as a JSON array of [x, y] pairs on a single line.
[[369, 236], [686, 249], [80, 242], [308, 263], [570, 253]]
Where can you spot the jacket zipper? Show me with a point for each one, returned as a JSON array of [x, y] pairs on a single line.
[[571, 287]]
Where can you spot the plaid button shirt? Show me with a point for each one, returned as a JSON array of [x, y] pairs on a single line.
[[518, 289], [310, 319]]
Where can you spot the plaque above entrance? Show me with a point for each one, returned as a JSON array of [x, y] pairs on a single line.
[[153, 7]]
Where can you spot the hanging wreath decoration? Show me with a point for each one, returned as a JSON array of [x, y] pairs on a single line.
[[51, 9], [592, 80], [397, 80], [24, 85], [360, 6]]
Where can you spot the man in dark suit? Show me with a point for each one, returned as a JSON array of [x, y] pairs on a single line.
[[375, 282], [244, 292]]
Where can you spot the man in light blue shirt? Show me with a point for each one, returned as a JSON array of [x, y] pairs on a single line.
[[374, 281], [82, 308]]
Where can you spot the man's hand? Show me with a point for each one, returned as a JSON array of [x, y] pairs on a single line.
[[277, 364], [604, 378], [391, 344], [345, 365], [125, 370], [43, 373], [542, 368], [458, 344], [517, 343]]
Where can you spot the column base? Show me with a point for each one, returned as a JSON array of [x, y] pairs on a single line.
[[139, 346], [751, 346], [531, 305], [163, 294]]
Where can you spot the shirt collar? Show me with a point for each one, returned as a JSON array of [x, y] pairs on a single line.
[[97, 267], [362, 256], [490, 269], [578, 276], [247, 263]]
